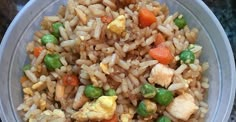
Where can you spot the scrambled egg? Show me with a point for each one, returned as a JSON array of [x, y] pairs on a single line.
[[161, 75], [182, 107], [118, 25], [104, 68], [103, 108]]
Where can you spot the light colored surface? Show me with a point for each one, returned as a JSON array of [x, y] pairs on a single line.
[[216, 50]]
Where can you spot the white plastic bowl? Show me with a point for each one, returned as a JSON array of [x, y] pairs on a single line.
[[216, 50]]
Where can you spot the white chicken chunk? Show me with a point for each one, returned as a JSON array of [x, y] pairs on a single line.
[[118, 25], [103, 108], [182, 107], [161, 75]]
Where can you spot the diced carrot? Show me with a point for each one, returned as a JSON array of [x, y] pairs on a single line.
[[71, 80], [159, 39], [162, 54], [37, 51], [146, 17], [106, 19], [113, 119], [23, 79]]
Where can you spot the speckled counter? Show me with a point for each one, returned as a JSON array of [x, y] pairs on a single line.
[[225, 11]]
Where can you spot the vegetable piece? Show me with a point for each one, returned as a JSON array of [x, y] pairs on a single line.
[[52, 61], [146, 17], [70, 80], [180, 22], [27, 67], [49, 38], [159, 39], [148, 90], [55, 28], [163, 119], [37, 51], [162, 54], [106, 19], [110, 92], [146, 108], [187, 56], [163, 97], [113, 119], [92, 92]]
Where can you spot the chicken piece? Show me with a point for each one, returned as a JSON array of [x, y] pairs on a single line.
[[103, 108], [161, 75], [182, 107], [118, 25]]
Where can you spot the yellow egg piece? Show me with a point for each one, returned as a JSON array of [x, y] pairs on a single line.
[[118, 25]]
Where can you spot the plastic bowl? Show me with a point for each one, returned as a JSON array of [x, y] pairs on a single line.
[[216, 50]]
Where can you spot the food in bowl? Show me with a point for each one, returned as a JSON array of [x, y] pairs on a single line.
[[103, 60]]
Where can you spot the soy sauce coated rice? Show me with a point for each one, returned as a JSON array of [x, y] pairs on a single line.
[[97, 55]]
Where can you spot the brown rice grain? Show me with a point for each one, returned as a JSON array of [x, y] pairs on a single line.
[[81, 15], [180, 69], [63, 33], [165, 30], [52, 18], [101, 76], [134, 80], [176, 86], [109, 4], [123, 64], [74, 21], [31, 76], [40, 58]]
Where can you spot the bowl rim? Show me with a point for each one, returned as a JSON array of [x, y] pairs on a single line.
[[199, 2]]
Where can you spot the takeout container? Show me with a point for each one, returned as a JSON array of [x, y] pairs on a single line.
[[216, 50]]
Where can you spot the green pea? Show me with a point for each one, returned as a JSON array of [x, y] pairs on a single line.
[[163, 119], [187, 56], [163, 97], [148, 90], [52, 61], [146, 108], [49, 38], [110, 92], [92, 92], [180, 22], [55, 28], [27, 67]]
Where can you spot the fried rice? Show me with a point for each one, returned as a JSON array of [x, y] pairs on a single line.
[[113, 53]]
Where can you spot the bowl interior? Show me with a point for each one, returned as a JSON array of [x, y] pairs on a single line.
[[216, 51]]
